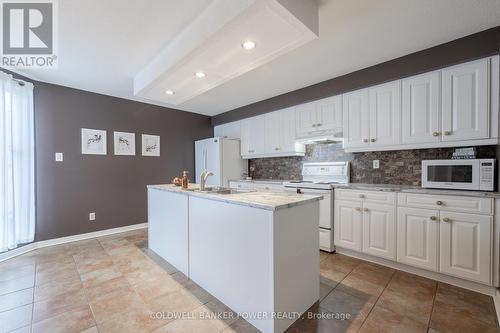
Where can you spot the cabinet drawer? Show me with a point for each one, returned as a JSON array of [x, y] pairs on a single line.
[[366, 196], [451, 203], [268, 187]]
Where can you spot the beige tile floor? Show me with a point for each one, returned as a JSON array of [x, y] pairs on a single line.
[[114, 284]]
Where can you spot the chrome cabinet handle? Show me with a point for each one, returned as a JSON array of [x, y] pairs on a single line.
[[357, 209], [433, 218], [365, 140], [362, 196], [277, 148], [447, 133], [320, 124], [365, 209], [446, 219], [373, 140], [439, 203], [436, 134]]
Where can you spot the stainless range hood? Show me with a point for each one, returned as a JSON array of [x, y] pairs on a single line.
[[323, 138]]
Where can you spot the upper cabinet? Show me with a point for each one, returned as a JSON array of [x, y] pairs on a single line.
[[319, 117], [270, 135], [229, 130], [456, 106], [372, 116], [466, 101]]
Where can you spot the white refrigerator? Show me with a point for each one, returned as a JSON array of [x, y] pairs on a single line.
[[222, 157]]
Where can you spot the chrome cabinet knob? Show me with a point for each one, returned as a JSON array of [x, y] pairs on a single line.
[[447, 133], [439, 203], [365, 209], [446, 219], [373, 140], [365, 140], [435, 134], [357, 209], [313, 125], [434, 218], [362, 196], [320, 124], [277, 148]]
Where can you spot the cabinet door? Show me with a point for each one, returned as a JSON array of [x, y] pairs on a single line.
[[306, 118], [421, 108], [465, 245], [417, 237], [379, 230], [465, 97], [347, 224], [329, 113], [385, 114], [229, 130], [287, 134], [253, 136], [273, 132], [355, 119]]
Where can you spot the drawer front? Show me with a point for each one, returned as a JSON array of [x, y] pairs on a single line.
[[269, 187], [450, 203], [241, 185], [366, 196]]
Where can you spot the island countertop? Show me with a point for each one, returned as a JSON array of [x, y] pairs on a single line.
[[256, 199]]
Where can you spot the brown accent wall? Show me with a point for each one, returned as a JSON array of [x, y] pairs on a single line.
[[114, 187], [401, 167], [475, 46]]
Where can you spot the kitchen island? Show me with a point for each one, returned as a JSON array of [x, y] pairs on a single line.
[[257, 252]]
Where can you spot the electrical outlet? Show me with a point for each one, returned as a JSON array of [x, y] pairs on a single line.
[[59, 157], [376, 164], [92, 216]]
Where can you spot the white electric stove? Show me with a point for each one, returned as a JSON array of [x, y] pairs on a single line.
[[321, 178]]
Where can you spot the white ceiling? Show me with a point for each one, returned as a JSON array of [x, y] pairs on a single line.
[[105, 43]]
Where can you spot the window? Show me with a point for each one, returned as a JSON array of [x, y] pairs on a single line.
[[17, 163]]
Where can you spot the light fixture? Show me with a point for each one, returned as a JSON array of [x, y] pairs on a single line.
[[200, 75], [169, 92], [248, 45]]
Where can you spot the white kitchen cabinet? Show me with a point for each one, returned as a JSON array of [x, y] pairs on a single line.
[[379, 230], [320, 117], [253, 136], [465, 245], [348, 224], [417, 237], [385, 114], [280, 134], [465, 101], [273, 131], [356, 119], [421, 108], [230, 130]]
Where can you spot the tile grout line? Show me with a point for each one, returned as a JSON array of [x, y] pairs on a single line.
[[432, 310]]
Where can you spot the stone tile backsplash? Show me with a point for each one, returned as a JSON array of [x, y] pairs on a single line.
[[400, 167]]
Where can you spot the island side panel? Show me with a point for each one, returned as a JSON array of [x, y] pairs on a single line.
[[296, 260], [230, 255], [168, 227]]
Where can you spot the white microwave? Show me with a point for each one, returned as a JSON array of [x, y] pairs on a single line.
[[473, 174]]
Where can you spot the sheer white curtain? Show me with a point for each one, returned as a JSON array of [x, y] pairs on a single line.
[[17, 163]]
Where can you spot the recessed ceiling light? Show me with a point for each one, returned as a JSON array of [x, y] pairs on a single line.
[[200, 75], [169, 92], [248, 45]]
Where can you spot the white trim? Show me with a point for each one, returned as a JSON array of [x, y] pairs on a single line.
[[474, 286], [56, 241]]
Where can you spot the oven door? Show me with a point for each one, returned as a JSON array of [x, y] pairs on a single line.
[[325, 205], [451, 174]]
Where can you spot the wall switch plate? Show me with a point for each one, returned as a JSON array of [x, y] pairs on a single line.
[[59, 157], [91, 216], [376, 164]]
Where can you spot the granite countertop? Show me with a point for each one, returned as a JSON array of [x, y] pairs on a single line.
[[418, 190], [256, 199]]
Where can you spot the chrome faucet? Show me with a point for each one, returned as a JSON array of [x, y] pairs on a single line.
[[203, 178]]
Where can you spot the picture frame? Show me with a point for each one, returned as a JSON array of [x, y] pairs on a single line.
[[93, 141], [124, 143], [150, 145]]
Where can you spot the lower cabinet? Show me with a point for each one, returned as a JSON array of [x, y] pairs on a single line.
[[465, 245], [347, 229], [417, 237], [451, 242], [379, 230]]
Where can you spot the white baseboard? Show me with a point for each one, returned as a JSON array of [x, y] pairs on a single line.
[[56, 241], [474, 286], [496, 300]]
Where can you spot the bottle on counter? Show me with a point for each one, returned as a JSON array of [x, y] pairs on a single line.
[[185, 180]]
